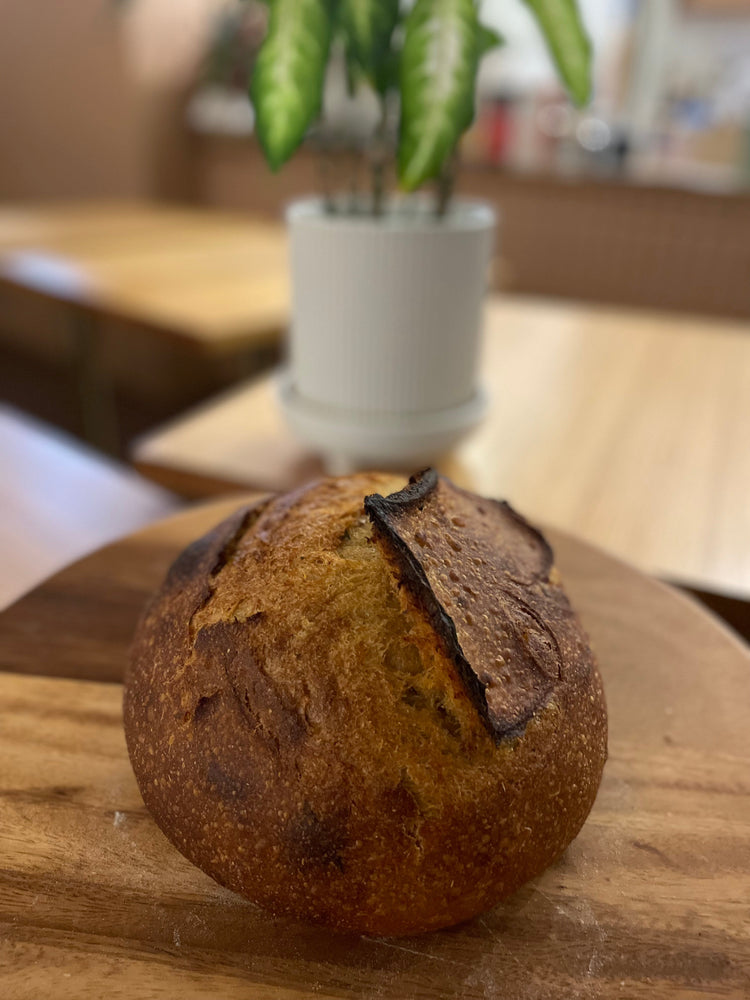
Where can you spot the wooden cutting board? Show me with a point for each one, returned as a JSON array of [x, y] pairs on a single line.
[[652, 899]]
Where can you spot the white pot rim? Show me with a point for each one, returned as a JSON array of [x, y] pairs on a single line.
[[407, 213]]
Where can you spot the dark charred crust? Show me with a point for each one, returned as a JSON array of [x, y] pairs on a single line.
[[543, 629], [536, 656], [420, 486], [547, 555], [544, 545], [412, 576]]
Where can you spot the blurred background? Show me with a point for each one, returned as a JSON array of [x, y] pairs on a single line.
[[638, 196], [641, 200]]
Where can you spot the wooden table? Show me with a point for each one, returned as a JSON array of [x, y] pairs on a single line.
[[59, 500], [213, 280], [650, 902], [628, 429]]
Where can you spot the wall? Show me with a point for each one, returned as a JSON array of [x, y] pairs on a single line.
[[91, 95]]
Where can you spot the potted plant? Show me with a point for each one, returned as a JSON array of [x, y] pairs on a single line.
[[387, 287]]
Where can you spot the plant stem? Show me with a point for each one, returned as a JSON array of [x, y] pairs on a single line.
[[446, 184], [324, 173], [378, 186], [378, 160], [353, 180]]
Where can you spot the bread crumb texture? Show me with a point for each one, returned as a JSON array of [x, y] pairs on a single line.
[[367, 704]]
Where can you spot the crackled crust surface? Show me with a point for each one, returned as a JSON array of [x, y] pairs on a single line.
[[367, 705]]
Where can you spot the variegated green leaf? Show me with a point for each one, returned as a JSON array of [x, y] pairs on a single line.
[[287, 83], [368, 26], [561, 24], [438, 75]]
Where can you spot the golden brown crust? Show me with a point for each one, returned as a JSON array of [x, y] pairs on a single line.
[[380, 715]]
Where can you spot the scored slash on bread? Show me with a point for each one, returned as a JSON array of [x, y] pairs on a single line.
[[431, 528], [368, 705]]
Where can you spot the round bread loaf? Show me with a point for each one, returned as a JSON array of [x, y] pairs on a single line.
[[367, 705]]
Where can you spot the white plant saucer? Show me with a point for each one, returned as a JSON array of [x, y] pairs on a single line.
[[356, 439]]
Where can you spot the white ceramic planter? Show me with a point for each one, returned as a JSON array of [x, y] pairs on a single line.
[[384, 339]]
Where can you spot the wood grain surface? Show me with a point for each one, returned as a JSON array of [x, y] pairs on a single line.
[[628, 429], [217, 280], [651, 901]]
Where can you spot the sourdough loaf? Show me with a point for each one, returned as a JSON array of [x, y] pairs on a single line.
[[367, 705]]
